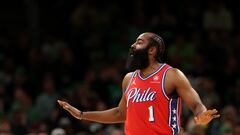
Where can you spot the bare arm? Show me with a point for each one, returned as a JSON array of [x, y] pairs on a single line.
[[114, 115], [190, 97]]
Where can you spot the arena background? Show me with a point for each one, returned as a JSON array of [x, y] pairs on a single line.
[[76, 50]]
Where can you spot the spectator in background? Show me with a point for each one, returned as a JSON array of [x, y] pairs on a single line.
[[217, 17], [197, 130], [58, 131], [5, 126], [45, 100], [229, 120], [182, 54], [208, 92], [237, 129]]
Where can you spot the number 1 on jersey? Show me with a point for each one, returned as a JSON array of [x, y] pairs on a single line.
[[151, 117]]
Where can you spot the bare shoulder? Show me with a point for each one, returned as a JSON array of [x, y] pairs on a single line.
[[177, 77], [175, 80], [175, 73], [126, 80], [128, 75]]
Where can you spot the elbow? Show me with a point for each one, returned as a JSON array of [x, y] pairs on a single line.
[[121, 115]]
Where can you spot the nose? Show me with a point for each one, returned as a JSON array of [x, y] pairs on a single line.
[[133, 45]]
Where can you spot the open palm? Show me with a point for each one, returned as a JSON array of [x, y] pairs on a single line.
[[72, 110], [205, 117]]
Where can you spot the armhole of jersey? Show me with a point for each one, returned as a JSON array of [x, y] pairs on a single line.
[[163, 83], [133, 73]]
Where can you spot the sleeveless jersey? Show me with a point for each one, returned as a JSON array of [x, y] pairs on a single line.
[[149, 110]]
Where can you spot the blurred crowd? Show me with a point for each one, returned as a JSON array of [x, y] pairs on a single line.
[[76, 51]]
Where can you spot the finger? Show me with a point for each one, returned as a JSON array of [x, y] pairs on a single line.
[[211, 112], [216, 116], [196, 119], [60, 102], [65, 107]]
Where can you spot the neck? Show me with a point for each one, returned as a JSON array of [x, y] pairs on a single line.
[[153, 66]]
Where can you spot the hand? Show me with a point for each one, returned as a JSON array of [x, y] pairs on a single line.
[[72, 110], [205, 117]]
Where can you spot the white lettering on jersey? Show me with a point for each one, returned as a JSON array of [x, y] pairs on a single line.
[[136, 96]]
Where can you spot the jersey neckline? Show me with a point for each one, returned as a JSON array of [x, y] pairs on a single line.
[[152, 74]]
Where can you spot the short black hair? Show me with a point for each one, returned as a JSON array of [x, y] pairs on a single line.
[[157, 41]]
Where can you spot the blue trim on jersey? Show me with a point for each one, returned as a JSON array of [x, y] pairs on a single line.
[[163, 83], [169, 115], [152, 73], [178, 124], [173, 116]]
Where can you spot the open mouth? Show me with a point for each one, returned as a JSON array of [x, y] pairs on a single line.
[[131, 52]]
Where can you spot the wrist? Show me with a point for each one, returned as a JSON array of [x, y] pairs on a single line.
[[200, 112], [81, 115]]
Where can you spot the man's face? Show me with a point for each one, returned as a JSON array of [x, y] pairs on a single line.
[[138, 54]]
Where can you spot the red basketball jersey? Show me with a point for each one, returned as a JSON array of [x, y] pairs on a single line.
[[149, 110]]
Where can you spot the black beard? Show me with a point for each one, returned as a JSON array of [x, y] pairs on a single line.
[[137, 59]]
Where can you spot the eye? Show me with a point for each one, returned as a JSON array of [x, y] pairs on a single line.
[[139, 42]]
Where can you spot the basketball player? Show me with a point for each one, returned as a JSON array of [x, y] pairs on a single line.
[[152, 94]]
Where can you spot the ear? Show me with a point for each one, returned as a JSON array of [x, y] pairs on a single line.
[[152, 50]]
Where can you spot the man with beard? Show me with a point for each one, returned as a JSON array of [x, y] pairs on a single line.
[[152, 94]]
